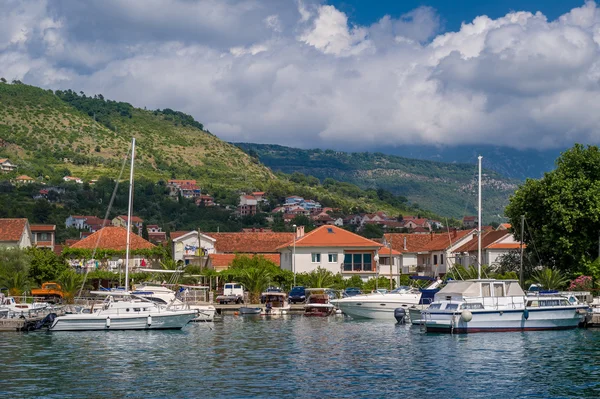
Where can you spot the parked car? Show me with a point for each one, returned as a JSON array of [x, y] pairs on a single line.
[[297, 295], [352, 291]]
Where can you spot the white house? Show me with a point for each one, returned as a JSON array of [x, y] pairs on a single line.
[[6, 166], [436, 257], [494, 244], [73, 179], [333, 249], [15, 233], [191, 247]]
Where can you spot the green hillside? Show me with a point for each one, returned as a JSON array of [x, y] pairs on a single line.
[[446, 189], [53, 134]]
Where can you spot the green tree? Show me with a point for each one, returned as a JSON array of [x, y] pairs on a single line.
[[14, 271], [319, 278], [372, 231], [550, 279], [70, 282], [145, 231], [303, 220], [562, 211], [45, 265]]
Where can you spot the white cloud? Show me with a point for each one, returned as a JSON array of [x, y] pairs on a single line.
[[298, 73]]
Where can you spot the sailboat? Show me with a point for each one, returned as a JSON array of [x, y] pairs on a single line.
[[489, 305], [123, 310]]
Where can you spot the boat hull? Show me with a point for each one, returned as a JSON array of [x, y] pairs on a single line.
[[381, 308], [502, 321], [205, 313], [99, 322]]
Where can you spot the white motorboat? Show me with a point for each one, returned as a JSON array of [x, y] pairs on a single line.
[[497, 305], [9, 303], [382, 305], [165, 296], [276, 303], [128, 314]]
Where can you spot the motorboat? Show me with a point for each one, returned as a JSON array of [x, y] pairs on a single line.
[[378, 305], [482, 305], [133, 313], [318, 303], [276, 303], [165, 296], [9, 303], [249, 310]]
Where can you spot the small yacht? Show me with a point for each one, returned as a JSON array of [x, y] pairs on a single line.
[[165, 296], [380, 305], [276, 303], [318, 303], [497, 305]]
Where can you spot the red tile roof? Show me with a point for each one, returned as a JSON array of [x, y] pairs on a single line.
[[487, 238], [179, 182], [24, 177], [12, 229], [250, 242], [95, 221], [71, 241], [414, 242], [506, 245], [224, 260], [42, 227], [114, 238], [177, 234], [333, 236], [134, 219], [442, 241], [505, 226]]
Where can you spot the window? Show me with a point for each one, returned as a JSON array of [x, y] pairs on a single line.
[[452, 306], [316, 258], [347, 262], [441, 259], [358, 262], [486, 290], [435, 259], [43, 237], [498, 289], [332, 258]]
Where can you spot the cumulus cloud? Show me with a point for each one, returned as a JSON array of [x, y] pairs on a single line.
[[299, 73]]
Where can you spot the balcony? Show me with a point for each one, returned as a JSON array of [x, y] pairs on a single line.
[[358, 267]]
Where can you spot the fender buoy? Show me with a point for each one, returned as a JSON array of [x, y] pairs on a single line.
[[466, 316], [149, 320], [526, 314]]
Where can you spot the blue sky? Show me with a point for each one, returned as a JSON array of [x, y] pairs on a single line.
[[344, 74], [452, 12]]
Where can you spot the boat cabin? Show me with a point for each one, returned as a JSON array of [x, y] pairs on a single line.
[[483, 293], [275, 299]]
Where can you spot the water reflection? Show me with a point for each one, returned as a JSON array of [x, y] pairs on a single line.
[[302, 358]]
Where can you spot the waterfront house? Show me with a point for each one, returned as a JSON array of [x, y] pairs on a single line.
[[408, 246], [43, 235], [114, 238], [15, 233], [494, 244], [191, 247], [121, 221], [6, 166], [333, 249]]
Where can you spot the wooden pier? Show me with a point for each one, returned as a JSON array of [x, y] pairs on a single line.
[[234, 308]]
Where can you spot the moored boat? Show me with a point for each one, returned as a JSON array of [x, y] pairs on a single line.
[[165, 296], [249, 310], [275, 304], [318, 303]]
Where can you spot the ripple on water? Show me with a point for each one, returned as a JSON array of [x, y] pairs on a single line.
[[301, 358]]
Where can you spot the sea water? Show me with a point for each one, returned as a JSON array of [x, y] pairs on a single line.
[[299, 357]]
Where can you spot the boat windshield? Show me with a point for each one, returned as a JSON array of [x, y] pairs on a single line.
[[401, 289]]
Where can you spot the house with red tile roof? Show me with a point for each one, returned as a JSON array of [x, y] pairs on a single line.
[[247, 206], [191, 247], [252, 242], [24, 179], [43, 235], [504, 226], [6, 166], [417, 223], [114, 238], [469, 222], [494, 244], [334, 249], [15, 233]]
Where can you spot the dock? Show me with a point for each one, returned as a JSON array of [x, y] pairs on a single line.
[[25, 322], [234, 308]]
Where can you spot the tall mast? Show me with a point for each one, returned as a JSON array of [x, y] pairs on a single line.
[[130, 205], [479, 224]]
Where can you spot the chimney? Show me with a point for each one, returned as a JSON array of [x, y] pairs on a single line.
[[405, 244], [454, 233], [431, 235], [299, 232]]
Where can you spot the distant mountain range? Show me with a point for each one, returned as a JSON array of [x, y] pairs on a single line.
[[448, 189], [509, 162]]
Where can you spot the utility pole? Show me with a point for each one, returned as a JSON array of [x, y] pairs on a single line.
[[391, 263], [521, 269]]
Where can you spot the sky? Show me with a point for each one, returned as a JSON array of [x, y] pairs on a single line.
[[342, 74]]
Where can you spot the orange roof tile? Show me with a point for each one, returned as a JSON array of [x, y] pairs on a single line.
[[332, 236], [134, 219], [487, 238], [250, 242], [177, 234], [506, 245], [114, 238], [24, 177], [414, 242], [12, 229], [444, 240], [42, 227], [224, 260]]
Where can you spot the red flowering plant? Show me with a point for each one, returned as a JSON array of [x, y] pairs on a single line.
[[581, 283]]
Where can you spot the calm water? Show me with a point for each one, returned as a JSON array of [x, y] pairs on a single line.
[[301, 358]]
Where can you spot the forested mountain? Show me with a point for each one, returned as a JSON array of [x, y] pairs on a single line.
[[448, 189]]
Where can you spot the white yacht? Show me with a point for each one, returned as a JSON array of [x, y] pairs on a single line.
[[276, 304], [497, 305], [128, 314], [165, 296], [379, 305]]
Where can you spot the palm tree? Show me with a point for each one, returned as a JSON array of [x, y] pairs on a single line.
[[256, 280], [70, 281], [460, 272], [17, 283], [550, 278], [320, 278]]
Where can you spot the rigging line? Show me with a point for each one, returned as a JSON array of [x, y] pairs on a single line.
[[112, 199]]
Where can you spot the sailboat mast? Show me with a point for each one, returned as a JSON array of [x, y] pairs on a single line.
[[130, 205], [479, 224]]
